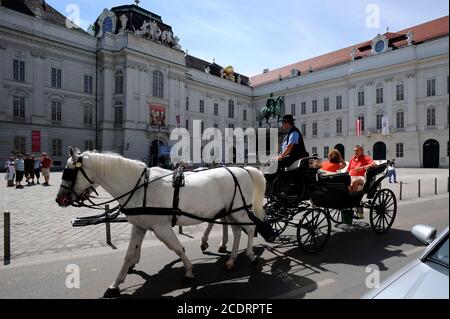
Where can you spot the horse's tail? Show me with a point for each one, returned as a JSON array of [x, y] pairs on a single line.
[[259, 189]]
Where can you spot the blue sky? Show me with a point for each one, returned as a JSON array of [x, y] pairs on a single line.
[[252, 35]]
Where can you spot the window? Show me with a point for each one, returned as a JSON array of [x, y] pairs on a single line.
[[216, 126], [119, 82], [379, 121], [362, 121], [19, 144], [339, 102], [380, 95], [244, 115], [56, 147], [202, 106], [431, 87], [339, 126], [400, 92], [158, 84], [326, 104], [231, 126], [314, 150], [231, 109], [56, 112], [314, 106], [400, 120], [303, 107], [216, 109], [361, 99], [431, 116], [107, 25], [88, 84], [314, 129], [88, 114], [399, 150], [56, 78], [293, 109], [19, 108], [89, 145], [326, 151], [118, 113], [187, 103], [303, 129], [19, 70]]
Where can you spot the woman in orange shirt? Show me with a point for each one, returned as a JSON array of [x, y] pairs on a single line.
[[335, 162]]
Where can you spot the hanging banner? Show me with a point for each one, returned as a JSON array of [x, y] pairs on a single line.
[[157, 115], [36, 141]]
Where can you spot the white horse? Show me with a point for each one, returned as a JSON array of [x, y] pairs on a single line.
[[118, 175]]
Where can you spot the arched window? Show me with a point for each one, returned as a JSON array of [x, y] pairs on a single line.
[[339, 126], [431, 116], [231, 109], [400, 119], [158, 84], [119, 82], [380, 93], [88, 114], [107, 25], [118, 113], [380, 121]]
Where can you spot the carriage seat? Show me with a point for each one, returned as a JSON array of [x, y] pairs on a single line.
[[306, 162]]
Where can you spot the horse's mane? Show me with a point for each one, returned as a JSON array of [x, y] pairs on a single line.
[[112, 165]]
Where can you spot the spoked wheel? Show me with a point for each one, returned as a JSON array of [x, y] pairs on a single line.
[[335, 215], [277, 217], [383, 210], [313, 230]]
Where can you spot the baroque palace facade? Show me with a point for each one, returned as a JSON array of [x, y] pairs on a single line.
[[125, 85]]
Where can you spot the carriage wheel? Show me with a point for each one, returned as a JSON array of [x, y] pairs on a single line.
[[383, 210], [277, 217], [313, 230], [335, 215]]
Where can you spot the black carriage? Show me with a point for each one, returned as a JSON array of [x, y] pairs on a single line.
[[324, 198]]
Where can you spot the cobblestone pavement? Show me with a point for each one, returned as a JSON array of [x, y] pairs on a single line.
[[39, 226]]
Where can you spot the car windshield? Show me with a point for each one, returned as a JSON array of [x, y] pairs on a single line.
[[440, 253]]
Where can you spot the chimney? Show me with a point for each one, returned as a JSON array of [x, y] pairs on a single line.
[[265, 71]]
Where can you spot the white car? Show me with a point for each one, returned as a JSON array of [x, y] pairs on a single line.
[[424, 278]]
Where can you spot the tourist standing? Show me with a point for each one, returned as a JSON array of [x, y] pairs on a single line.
[[10, 172], [46, 165], [19, 166], [37, 168]]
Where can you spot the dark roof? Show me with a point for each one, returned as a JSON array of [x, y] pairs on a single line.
[[201, 65], [40, 9], [139, 10], [422, 33]]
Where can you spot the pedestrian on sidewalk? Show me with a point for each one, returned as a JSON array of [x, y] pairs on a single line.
[[10, 172], [37, 168], [391, 171], [19, 166], [29, 173], [46, 165]]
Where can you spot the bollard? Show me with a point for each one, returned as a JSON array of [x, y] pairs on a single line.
[[401, 190], [108, 228], [7, 235], [418, 186], [435, 187]]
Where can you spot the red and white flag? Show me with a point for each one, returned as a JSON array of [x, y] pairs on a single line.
[[358, 127]]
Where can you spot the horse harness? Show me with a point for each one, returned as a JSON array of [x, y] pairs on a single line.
[[178, 181]]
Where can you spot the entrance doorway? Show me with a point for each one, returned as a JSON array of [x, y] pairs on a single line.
[[431, 154], [379, 151]]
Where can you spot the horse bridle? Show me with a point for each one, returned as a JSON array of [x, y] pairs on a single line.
[[70, 176]]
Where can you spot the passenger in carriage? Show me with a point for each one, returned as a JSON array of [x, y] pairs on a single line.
[[358, 166], [335, 162]]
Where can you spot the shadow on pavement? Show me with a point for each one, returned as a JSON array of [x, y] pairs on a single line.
[[247, 281]]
